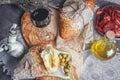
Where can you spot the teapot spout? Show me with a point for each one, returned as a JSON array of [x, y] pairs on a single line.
[[1, 49]]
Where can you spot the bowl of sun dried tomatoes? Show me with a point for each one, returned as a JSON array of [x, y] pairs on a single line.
[[108, 18]]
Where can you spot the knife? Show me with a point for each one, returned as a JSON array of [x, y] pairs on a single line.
[[29, 79], [40, 78], [118, 45], [118, 49]]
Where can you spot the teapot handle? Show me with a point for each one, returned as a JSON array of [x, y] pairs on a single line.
[[3, 47]]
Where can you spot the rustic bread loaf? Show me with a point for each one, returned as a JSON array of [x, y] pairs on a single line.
[[73, 17]]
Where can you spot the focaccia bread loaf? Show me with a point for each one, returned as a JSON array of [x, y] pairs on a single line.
[[34, 35]]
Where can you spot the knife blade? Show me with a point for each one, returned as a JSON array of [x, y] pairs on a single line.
[[29, 79], [118, 45]]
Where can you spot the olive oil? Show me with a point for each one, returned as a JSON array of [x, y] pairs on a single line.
[[104, 48]]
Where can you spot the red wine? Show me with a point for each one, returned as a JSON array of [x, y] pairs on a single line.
[[40, 17], [40, 14]]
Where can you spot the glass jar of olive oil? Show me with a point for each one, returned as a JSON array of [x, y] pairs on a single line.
[[104, 48]]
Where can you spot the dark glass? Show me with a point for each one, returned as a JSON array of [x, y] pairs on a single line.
[[40, 17]]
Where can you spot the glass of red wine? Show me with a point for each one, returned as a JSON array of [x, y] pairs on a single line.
[[40, 16]]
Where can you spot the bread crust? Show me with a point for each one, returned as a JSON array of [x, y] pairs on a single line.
[[90, 3], [68, 29], [35, 53], [48, 78]]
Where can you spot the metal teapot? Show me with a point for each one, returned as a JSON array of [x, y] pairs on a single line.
[[13, 47]]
